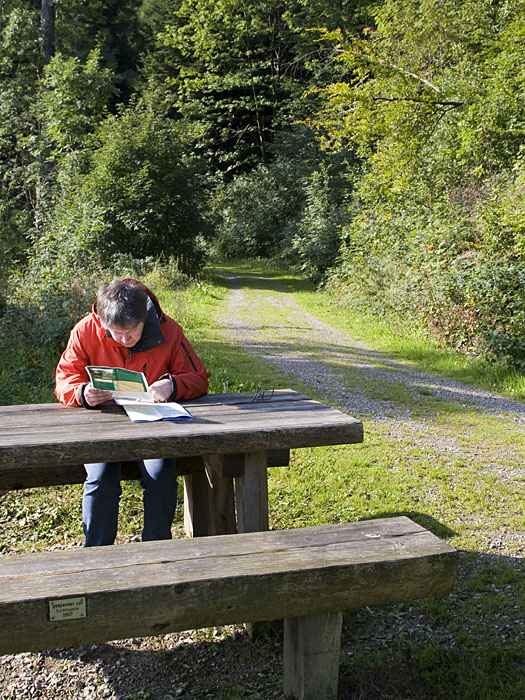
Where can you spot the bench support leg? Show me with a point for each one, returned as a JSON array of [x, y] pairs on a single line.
[[251, 493], [312, 647]]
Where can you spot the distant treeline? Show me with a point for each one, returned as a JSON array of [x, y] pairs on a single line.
[[375, 144]]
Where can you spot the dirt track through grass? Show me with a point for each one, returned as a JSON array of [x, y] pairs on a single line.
[[423, 416]]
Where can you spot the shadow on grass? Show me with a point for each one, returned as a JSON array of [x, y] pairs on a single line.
[[275, 281], [466, 645]]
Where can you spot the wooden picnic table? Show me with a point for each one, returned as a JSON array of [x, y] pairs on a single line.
[[232, 436]]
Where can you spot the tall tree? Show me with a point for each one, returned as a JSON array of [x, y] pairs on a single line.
[[47, 19], [436, 111], [241, 70], [113, 27], [20, 59]]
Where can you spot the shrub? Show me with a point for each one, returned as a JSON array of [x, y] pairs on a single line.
[[315, 244], [255, 214]]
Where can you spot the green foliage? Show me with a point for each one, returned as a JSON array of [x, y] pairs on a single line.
[[147, 188], [423, 102], [74, 99], [436, 111], [19, 65], [241, 70], [315, 244], [290, 210], [109, 26], [48, 113], [255, 212], [133, 193], [231, 76]]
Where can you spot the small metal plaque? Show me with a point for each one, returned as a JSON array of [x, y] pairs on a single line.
[[67, 609]]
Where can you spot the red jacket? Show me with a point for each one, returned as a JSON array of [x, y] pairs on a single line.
[[162, 350]]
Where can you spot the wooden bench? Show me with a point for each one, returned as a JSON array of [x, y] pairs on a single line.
[[307, 576]]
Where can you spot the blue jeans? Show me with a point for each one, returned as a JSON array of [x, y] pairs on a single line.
[[102, 491]]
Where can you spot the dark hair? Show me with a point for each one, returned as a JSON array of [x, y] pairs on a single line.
[[121, 304]]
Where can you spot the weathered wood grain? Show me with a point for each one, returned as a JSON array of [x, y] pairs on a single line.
[[221, 505], [251, 494], [51, 434], [197, 519], [158, 587], [38, 475], [311, 656]]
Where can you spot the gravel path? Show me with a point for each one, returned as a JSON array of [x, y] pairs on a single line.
[[318, 354], [349, 374]]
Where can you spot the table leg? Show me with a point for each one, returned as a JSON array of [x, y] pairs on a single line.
[[251, 493], [209, 507], [196, 509], [221, 505], [208, 496], [251, 496]]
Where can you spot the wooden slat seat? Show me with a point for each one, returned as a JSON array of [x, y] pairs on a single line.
[[38, 475], [307, 576]]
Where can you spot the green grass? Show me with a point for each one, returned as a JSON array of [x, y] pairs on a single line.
[[466, 645]]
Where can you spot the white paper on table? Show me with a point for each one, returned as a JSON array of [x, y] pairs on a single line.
[[141, 412]]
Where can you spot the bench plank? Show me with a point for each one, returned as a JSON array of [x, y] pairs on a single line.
[[154, 588], [37, 475]]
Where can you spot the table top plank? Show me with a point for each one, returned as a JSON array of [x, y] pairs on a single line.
[[222, 424], [27, 412], [44, 418], [83, 425]]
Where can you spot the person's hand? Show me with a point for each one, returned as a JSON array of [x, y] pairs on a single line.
[[94, 397], [161, 390]]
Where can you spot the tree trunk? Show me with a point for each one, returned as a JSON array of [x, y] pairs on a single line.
[[47, 21]]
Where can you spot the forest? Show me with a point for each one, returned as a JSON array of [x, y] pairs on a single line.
[[355, 169], [374, 145]]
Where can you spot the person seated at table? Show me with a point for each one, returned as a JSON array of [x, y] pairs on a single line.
[[127, 328]]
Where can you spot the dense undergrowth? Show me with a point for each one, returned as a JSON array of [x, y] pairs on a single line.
[[35, 325]]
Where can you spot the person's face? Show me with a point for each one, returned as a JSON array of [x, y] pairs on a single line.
[[128, 337]]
